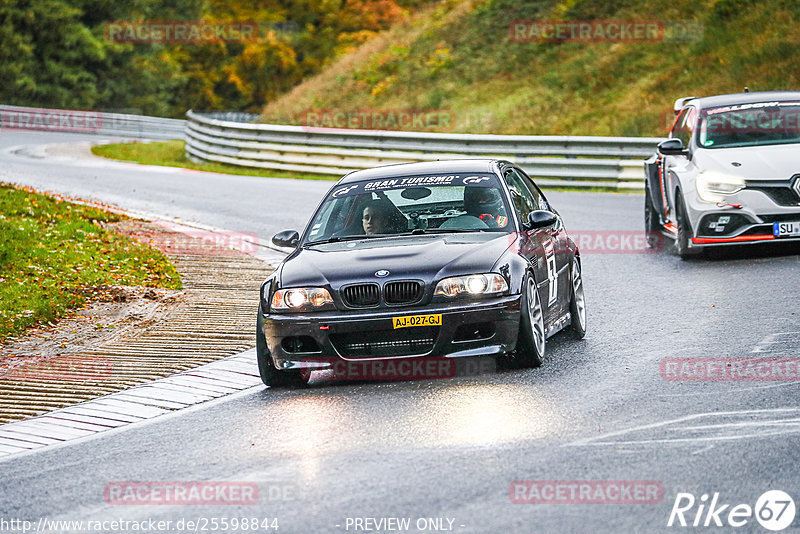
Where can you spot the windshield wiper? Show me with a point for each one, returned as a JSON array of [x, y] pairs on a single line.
[[422, 231], [338, 238], [416, 231]]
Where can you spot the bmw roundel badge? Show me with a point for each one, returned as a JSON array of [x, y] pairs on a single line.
[[382, 273]]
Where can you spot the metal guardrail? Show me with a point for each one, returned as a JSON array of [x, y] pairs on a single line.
[[573, 161], [232, 137], [17, 118]]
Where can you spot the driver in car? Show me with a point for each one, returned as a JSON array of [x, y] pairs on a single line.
[[375, 219], [485, 203]]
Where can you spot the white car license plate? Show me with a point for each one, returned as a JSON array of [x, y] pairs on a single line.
[[785, 229]]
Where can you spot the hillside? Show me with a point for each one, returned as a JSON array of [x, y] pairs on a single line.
[[162, 58], [458, 59]]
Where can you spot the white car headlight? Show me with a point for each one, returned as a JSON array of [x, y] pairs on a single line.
[[473, 284], [714, 186], [298, 298]]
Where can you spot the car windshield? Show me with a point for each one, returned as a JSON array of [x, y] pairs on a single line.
[[763, 123], [412, 205]]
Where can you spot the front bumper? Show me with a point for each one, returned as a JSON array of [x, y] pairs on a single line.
[[753, 222], [319, 340]]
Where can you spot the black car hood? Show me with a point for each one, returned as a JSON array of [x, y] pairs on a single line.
[[421, 257]]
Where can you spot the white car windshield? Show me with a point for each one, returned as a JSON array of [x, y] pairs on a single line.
[[758, 124]]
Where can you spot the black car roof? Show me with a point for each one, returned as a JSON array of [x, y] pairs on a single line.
[[744, 98], [427, 167]]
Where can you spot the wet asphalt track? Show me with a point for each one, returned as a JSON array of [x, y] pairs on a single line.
[[597, 410]]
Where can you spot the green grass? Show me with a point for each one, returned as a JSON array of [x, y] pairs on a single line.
[[172, 154], [55, 256]]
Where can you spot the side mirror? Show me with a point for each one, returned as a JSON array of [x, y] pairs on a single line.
[[287, 238], [672, 147], [540, 219]]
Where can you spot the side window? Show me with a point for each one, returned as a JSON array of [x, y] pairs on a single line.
[[521, 195], [684, 125], [678, 128], [541, 201]]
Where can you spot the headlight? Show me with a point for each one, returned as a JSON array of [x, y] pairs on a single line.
[[299, 298], [715, 186], [473, 284]]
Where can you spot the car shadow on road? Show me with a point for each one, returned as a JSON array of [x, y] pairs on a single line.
[[749, 252]]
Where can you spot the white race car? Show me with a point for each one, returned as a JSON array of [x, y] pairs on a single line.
[[729, 172]]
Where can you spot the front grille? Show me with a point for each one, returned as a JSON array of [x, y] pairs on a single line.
[[781, 193], [361, 296], [783, 217], [402, 292], [386, 343]]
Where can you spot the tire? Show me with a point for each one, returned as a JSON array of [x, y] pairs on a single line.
[[651, 224], [531, 341], [682, 248], [577, 303], [271, 376]]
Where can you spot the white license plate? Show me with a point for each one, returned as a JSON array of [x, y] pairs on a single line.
[[786, 229]]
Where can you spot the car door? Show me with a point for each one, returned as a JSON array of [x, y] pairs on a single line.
[[562, 249], [539, 246], [655, 185], [655, 176], [676, 166]]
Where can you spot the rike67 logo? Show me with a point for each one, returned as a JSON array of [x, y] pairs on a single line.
[[774, 510]]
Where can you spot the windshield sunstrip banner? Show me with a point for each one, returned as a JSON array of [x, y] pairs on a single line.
[[387, 184]]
